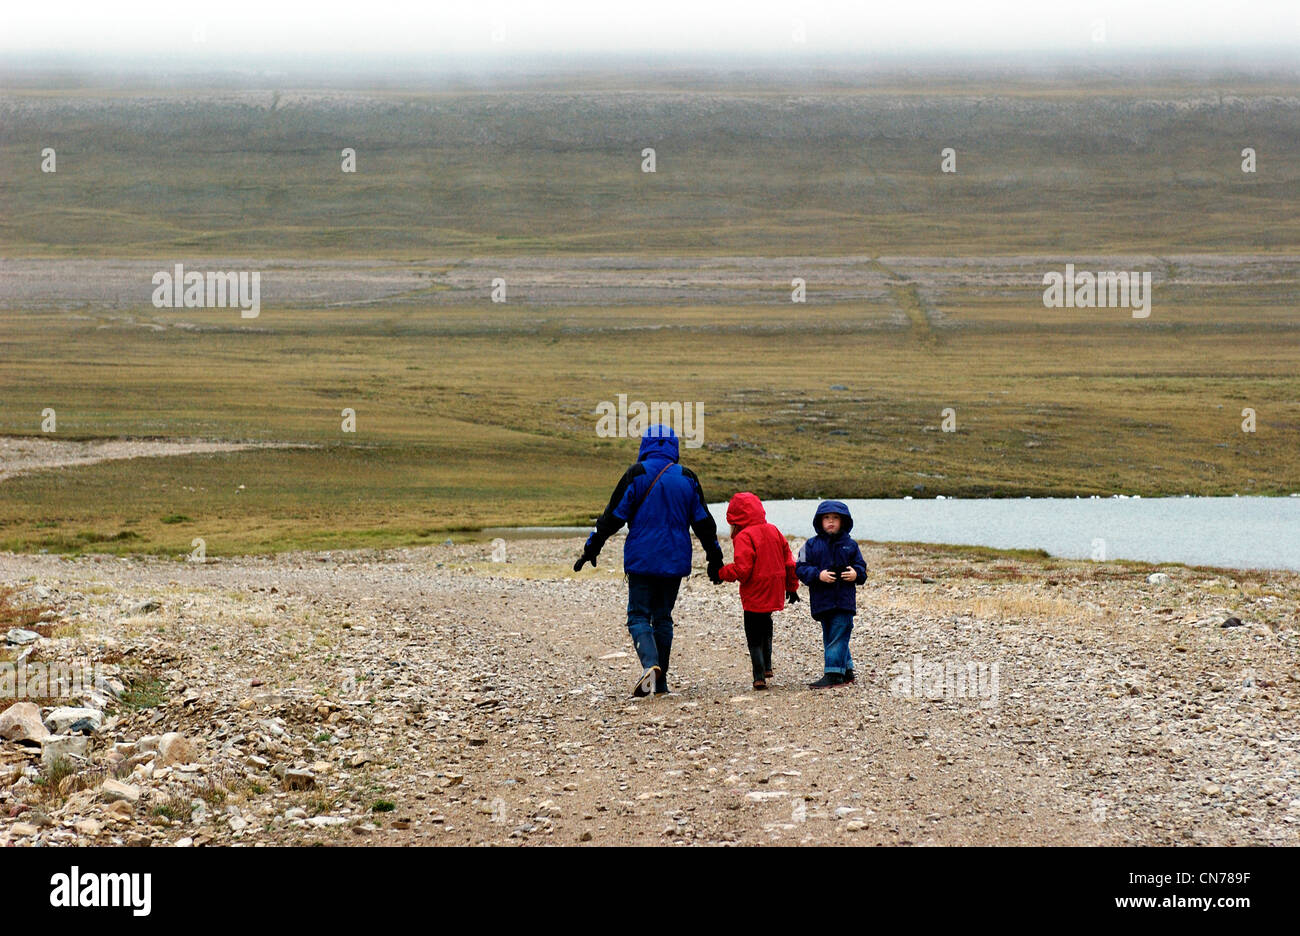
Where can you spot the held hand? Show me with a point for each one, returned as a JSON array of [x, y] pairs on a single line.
[[714, 568], [826, 576], [851, 575], [792, 597]]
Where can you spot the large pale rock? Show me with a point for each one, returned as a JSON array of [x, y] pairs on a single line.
[[61, 719], [63, 747], [22, 722], [175, 748]]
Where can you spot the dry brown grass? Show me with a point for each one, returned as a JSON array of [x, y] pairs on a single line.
[[26, 616]]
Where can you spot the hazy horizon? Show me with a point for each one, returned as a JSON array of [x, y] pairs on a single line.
[[763, 71]]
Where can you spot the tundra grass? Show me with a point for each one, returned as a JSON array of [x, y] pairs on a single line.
[[458, 428]]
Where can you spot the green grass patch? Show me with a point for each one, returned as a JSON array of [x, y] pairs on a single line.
[[143, 693]]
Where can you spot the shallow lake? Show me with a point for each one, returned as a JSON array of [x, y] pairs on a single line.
[[1235, 532]]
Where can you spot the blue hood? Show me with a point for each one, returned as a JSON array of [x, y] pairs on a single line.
[[835, 507], [658, 441]]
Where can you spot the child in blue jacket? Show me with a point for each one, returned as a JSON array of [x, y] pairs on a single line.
[[832, 567]]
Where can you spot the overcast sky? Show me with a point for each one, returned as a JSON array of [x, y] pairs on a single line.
[[504, 29]]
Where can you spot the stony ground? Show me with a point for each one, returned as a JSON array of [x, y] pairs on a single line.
[[435, 696]]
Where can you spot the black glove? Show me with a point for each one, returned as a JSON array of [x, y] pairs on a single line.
[[715, 566], [583, 560], [792, 597]]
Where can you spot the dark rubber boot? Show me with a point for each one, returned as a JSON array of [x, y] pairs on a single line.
[[828, 681]]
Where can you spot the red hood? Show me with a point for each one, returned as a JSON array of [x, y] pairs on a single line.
[[745, 510]]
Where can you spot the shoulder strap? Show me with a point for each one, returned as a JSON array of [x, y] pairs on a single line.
[[637, 507]]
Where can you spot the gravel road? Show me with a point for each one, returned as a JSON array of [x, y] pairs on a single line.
[[432, 696]]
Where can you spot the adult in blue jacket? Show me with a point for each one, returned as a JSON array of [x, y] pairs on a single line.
[[661, 502]]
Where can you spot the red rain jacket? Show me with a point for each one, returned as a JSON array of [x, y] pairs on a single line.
[[763, 563]]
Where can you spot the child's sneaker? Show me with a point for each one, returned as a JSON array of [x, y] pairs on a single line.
[[760, 684], [827, 681], [646, 684], [767, 674]]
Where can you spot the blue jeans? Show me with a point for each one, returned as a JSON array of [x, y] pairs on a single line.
[[650, 600], [837, 626]]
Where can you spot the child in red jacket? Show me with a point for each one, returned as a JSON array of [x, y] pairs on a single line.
[[765, 568]]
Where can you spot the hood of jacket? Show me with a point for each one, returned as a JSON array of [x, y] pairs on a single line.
[[835, 507], [746, 510], [658, 441]]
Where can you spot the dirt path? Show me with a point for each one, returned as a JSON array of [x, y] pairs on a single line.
[[486, 702], [19, 455], [916, 284]]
